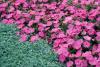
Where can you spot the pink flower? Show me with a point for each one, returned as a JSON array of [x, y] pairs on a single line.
[[69, 64], [26, 15], [71, 55], [53, 36], [52, 5], [98, 19], [20, 1], [56, 43], [55, 30], [67, 19], [34, 38], [81, 13], [45, 0], [23, 37], [87, 38], [40, 0], [64, 2], [62, 5], [3, 5], [49, 23], [31, 30], [25, 5], [63, 51], [62, 58], [98, 64], [34, 1], [91, 17], [78, 53], [30, 23], [93, 14], [69, 31], [94, 49], [55, 22], [91, 32], [64, 45], [78, 62], [32, 12], [75, 1], [37, 18], [70, 26], [98, 48], [86, 44], [93, 61], [56, 25], [20, 21], [41, 34], [78, 23], [84, 63], [40, 28], [77, 44], [89, 26], [27, 30], [17, 16], [2, 9], [83, 33], [5, 21], [9, 16], [11, 9], [98, 33], [81, 63], [86, 2], [98, 38], [87, 55], [10, 21], [61, 35], [70, 41], [20, 26], [18, 12]]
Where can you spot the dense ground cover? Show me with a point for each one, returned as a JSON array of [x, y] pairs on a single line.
[[71, 26], [16, 54]]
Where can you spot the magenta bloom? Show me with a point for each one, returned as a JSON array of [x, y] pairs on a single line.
[[23, 38]]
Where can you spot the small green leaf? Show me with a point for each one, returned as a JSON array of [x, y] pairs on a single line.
[[88, 7], [64, 27], [69, 2], [78, 6], [72, 50], [92, 20], [48, 34]]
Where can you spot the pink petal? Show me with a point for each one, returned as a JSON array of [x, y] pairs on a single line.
[[62, 58], [34, 38], [69, 64], [78, 44], [23, 37]]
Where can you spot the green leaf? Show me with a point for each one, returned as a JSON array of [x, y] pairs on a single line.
[[69, 2], [72, 50], [64, 27], [88, 7]]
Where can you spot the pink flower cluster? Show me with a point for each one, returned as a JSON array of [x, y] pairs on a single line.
[[72, 26]]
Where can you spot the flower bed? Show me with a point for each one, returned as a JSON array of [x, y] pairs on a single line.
[[72, 26]]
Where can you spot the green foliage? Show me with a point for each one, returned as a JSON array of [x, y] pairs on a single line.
[[69, 2], [64, 27], [88, 7], [72, 51], [16, 54]]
